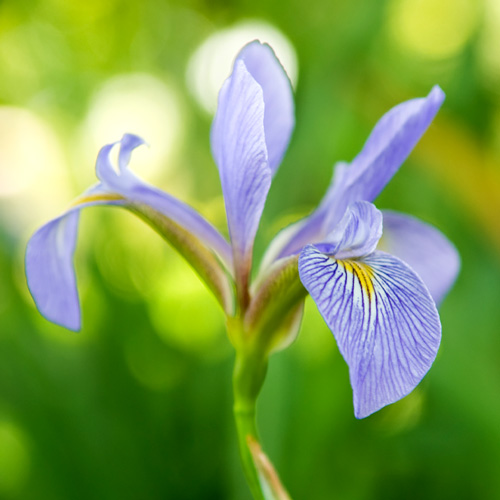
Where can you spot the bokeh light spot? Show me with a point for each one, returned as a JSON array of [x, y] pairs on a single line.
[[184, 312], [211, 63], [434, 29], [14, 458], [489, 43], [152, 364], [403, 415], [129, 253], [33, 179]]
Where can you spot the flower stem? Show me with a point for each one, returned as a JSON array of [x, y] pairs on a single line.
[[245, 426], [248, 377]]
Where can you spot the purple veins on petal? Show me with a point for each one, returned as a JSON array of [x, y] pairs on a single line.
[[250, 134], [239, 149], [384, 321]]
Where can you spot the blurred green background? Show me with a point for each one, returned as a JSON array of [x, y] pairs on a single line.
[[138, 404]]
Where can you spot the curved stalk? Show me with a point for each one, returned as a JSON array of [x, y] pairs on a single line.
[[248, 378]]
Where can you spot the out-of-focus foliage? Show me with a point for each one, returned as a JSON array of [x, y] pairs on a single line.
[[138, 404]]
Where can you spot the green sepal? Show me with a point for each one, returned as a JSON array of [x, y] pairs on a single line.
[[275, 311], [204, 262]]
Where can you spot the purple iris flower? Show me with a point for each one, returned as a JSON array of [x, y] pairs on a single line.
[[375, 276]]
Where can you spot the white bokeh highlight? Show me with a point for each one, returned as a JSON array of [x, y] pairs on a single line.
[[139, 104], [34, 181]]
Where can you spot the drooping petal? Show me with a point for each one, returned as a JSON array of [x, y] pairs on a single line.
[[49, 255], [279, 120], [239, 148], [383, 318], [389, 144], [425, 249], [49, 266], [356, 234]]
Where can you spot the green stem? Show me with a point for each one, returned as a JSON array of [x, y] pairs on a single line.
[[245, 425], [248, 377]]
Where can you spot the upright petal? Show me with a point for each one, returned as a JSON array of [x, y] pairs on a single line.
[[425, 249], [239, 148], [279, 120], [49, 255], [383, 318], [389, 144]]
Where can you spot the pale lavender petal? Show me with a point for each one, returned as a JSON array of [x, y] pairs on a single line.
[[135, 190], [383, 318], [49, 266], [425, 249], [356, 234], [279, 120], [388, 146], [239, 149], [49, 254], [128, 143]]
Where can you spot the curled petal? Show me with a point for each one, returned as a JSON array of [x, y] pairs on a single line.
[[383, 318], [239, 148], [356, 234], [425, 249], [135, 190], [279, 120], [49, 255]]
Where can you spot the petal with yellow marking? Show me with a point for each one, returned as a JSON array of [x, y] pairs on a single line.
[[383, 318]]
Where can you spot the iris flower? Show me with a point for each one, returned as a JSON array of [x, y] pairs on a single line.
[[375, 277]]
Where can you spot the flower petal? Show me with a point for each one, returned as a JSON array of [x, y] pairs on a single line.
[[49, 254], [383, 318], [49, 266], [425, 249], [239, 149], [279, 120], [388, 146], [356, 234], [136, 190]]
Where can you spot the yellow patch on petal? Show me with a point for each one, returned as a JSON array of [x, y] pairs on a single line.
[[96, 197], [363, 273]]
